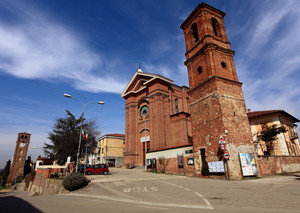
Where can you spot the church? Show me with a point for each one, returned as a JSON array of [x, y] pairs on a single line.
[[198, 130]]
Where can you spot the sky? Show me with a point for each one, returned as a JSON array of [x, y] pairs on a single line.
[[91, 50]]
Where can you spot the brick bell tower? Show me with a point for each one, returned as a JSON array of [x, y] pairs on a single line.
[[18, 162], [216, 98]]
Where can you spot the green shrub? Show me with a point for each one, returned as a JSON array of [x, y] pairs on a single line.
[[74, 181]]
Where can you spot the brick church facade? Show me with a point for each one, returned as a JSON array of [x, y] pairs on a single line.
[[181, 130]]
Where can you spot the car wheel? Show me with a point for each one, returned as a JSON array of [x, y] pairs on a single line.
[[88, 172], [105, 173]]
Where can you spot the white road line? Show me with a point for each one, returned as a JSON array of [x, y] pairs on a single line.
[[205, 200], [102, 201], [188, 206], [153, 207]]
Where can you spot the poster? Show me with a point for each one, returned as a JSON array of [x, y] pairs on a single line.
[[248, 164]]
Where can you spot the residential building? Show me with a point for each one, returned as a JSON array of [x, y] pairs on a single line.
[[110, 150], [286, 143]]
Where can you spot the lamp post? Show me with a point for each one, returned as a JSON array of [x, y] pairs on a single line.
[[82, 114]]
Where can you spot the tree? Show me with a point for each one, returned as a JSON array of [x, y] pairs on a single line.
[[65, 137], [268, 134], [5, 173]]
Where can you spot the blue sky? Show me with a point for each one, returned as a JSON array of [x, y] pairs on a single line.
[[91, 49]]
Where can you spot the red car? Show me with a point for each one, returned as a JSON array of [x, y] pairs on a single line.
[[97, 169]]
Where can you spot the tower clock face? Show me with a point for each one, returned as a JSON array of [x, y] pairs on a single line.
[[22, 144]]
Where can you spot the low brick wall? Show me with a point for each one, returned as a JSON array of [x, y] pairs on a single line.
[[167, 161], [269, 165], [170, 166], [41, 181]]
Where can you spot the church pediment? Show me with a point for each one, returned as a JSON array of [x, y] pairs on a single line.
[[139, 81]]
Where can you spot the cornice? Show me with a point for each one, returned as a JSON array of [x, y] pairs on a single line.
[[207, 46]]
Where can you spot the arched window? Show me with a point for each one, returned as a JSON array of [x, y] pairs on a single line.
[[176, 105], [215, 26], [195, 31], [199, 70]]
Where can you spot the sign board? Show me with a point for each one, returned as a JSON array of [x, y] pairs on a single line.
[[249, 167], [226, 155], [222, 142], [221, 138], [180, 161], [145, 139], [216, 167]]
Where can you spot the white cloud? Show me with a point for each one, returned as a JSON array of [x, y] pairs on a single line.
[[270, 65], [40, 48]]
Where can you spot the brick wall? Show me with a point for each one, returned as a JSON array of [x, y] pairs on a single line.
[[269, 165], [41, 176]]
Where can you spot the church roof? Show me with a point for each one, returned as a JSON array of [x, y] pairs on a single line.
[[145, 78]]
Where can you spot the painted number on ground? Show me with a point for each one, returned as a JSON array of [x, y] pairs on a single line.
[[141, 189]]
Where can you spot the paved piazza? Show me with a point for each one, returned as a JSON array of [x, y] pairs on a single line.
[[137, 191]]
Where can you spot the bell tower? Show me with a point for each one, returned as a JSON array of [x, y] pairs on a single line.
[[216, 98], [18, 162]]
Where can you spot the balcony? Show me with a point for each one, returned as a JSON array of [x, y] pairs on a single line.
[[294, 136]]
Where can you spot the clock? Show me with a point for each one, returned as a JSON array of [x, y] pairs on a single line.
[[22, 144]]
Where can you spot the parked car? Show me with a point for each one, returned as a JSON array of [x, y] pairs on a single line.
[[97, 169]]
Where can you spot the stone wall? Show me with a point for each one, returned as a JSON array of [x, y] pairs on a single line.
[[43, 184], [269, 165]]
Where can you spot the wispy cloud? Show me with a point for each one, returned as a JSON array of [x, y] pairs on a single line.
[[37, 47], [270, 65]]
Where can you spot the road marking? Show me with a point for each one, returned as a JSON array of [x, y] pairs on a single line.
[[203, 198], [102, 201], [153, 207], [187, 206], [141, 189]]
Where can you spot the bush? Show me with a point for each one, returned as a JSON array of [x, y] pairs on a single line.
[[74, 181]]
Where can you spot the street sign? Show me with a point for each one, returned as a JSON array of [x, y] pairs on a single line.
[[226, 155], [222, 142], [221, 138], [222, 146]]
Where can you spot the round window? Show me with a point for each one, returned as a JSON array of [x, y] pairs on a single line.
[[223, 64], [144, 111]]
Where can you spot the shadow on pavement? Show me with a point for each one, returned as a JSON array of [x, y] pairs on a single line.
[[297, 177], [14, 204]]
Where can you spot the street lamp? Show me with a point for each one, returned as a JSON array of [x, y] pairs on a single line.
[[82, 114]]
